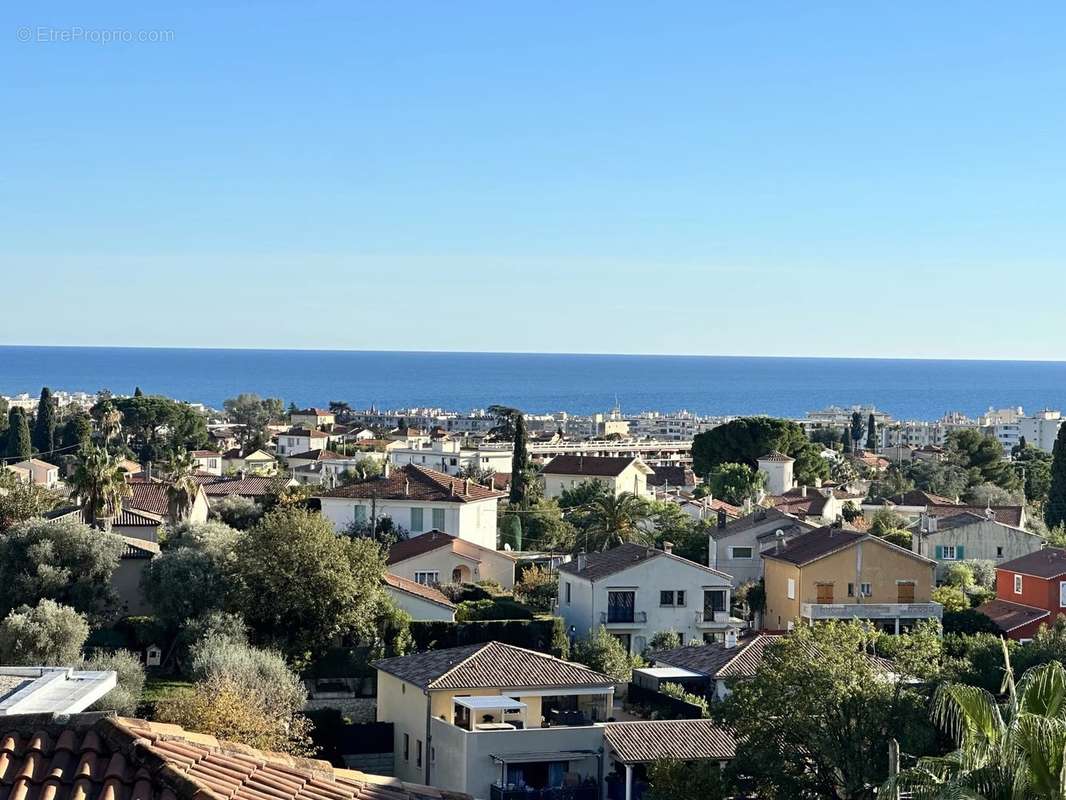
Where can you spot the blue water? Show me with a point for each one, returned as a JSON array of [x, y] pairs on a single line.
[[543, 382]]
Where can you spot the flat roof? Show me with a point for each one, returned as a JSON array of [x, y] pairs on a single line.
[[51, 690], [492, 702], [668, 672]]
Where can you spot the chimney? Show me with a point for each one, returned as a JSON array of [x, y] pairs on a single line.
[[923, 521], [148, 471], [722, 519], [582, 561], [406, 487], [730, 638], [241, 473], [779, 540], [466, 487], [803, 490], [385, 468], [668, 547]]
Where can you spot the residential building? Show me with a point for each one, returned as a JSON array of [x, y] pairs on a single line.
[[831, 573], [207, 461], [672, 476], [40, 472], [489, 719], [1030, 592], [418, 499], [137, 554], [616, 474], [636, 591], [70, 756], [970, 536], [822, 506], [147, 508], [778, 471], [436, 557], [300, 440], [257, 488], [422, 601], [736, 549], [1041, 430], [312, 418], [255, 462], [718, 664], [449, 456]]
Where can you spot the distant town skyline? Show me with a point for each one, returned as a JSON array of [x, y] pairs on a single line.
[[605, 178]]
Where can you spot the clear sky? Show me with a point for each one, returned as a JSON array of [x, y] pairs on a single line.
[[786, 178]]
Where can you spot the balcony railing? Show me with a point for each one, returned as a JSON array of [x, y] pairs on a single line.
[[586, 791], [712, 617], [871, 610], [623, 617]]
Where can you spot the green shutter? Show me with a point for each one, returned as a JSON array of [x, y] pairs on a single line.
[[959, 553], [939, 552]]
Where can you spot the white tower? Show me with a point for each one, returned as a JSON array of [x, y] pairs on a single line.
[[778, 469]]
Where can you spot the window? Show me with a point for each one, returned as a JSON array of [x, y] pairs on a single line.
[[999, 552], [824, 592], [406, 747], [791, 588], [359, 515], [740, 552], [680, 598], [905, 591], [714, 601], [866, 590], [1062, 594], [1017, 584], [418, 752], [427, 578], [666, 598], [417, 523], [620, 606], [438, 519], [851, 590], [948, 552], [569, 588]]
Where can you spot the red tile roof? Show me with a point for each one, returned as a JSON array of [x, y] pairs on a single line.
[[102, 757], [417, 483], [246, 487], [150, 497], [417, 545], [429, 593], [1010, 616]]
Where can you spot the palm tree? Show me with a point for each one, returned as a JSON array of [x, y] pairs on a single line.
[[1004, 752], [183, 487], [99, 484], [612, 520], [110, 422]]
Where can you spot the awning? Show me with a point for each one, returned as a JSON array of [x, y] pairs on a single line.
[[555, 755], [492, 703]]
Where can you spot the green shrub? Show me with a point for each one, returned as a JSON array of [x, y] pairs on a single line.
[[542, 635], [499, 608], [678, 692]]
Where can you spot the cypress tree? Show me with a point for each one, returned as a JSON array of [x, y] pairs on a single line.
[[845, 438], [18, 435], [856, 429], [44, 429], [137, 392], [1055, 507], [519, 462], [871, 434]]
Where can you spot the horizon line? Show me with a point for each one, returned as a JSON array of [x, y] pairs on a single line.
[[419, 351]]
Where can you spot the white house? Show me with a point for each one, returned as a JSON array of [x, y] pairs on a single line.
[[422, 602], [312, 418], [636, 591], [735, 548], [300, 440], [40, 472], [418, 499], [617, 473], [969, 536], [448, 455], [207, 461], [777, 467]]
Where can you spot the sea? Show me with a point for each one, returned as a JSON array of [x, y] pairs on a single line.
[[542, 382]]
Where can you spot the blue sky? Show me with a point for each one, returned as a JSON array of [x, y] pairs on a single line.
[[716, 178]]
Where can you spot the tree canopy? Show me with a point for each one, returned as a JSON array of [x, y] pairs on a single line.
[[47, 633], [745, 439]]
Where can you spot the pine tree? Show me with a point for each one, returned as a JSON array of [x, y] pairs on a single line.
[[871, 434], [44, 429], [1055, 507], [18, 435], [519, 462]]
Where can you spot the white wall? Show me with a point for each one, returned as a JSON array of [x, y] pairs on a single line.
[[419, 608], [474, 522]]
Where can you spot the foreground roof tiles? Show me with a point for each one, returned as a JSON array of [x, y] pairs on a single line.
[[1047, 563], [417, 483], [491, 665], [102, 757], [1010, 616], [642, 742]]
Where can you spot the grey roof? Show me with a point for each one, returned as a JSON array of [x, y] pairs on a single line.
[[1011, 616], [617, 559], [598, 466], [760, 517], [706, 659], [827, 540], [684, 739], [490, 665], [1047, 563]]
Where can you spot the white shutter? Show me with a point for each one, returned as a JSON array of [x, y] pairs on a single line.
[[1062, 594]]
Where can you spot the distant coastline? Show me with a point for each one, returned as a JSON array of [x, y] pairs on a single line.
[[580, 384]]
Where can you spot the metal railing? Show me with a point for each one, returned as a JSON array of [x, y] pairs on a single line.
[[623, 618]]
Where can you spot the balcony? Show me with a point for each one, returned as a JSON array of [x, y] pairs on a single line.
[[816, 611], [708, 619], [623, 619], [585, 791]]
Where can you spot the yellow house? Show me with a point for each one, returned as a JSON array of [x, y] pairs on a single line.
[[831, 573], [491, 718]]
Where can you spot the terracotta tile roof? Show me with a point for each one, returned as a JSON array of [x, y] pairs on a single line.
[[133, 518], [491, 665], [318, 454], [641, 742], [150, 497], [417, 545], [102, 757], [417, 483], [255, 486], [412, 587], [1010, 616], [596, 466], [1047, 563], [609, 562]]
